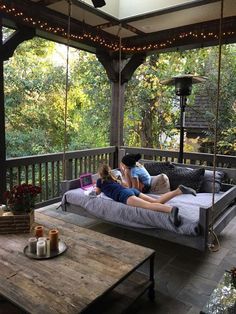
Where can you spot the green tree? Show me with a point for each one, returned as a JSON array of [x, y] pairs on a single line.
[[94, 107], [35, 85]]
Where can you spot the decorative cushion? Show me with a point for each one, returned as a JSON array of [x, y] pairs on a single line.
[[189, 177], [160, 184], [154, 168], [207, 184]]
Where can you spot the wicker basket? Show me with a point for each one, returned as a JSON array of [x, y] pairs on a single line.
[[18, 223]]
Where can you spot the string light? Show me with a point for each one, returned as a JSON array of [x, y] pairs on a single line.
[[87, 36]]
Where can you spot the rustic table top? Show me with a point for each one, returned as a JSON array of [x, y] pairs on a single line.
[[93, 264]]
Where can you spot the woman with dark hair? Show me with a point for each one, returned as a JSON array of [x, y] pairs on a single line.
[[114, 189], [135, 174]]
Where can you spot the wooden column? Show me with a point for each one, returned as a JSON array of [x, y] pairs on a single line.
[[117, 114], [7, 48], [2, 125], [119, 72]]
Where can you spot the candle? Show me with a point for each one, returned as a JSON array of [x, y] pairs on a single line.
[[38, 231], [45, 240], [42, 239], [41, 248], [48, 246], [32, 245], [53, 236]]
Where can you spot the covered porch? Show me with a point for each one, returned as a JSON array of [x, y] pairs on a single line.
[[185, 278]]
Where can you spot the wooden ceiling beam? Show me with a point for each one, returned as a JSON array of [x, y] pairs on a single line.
[[55, 21], [199, 35], [123, 25], [10, 44]]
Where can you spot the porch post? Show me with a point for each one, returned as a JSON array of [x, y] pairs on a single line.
[[117, 114], [119, 75], [2, 125], [7, 48]]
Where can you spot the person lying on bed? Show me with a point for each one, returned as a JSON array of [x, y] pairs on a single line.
[[114, 189], [135, 175]]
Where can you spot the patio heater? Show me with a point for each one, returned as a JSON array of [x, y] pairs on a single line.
[[183, 87]]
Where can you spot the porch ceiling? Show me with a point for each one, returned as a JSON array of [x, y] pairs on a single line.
[[143, 26]]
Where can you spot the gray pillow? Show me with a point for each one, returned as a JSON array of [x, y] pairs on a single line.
[[207, 184]]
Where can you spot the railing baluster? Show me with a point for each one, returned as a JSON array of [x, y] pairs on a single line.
[[89, 164], [26, 174], [33, 174], [46, 180], [58, 177], [19, 175], [80, 165], [52, 179], [11, 173], [76, 168], [40, 181]]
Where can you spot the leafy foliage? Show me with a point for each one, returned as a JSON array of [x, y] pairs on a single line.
[[35, 93]]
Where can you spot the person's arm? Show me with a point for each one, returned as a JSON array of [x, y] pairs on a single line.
[[98, 187], [98, 191], [135, 183], [127, 178]]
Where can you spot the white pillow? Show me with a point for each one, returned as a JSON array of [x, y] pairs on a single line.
[[160, 184]]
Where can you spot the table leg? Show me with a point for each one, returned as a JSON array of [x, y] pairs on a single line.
[[151, 290]]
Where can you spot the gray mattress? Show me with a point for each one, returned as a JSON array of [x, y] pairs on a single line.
[[109, 210]]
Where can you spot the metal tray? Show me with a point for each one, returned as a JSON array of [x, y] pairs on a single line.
[[61, 249]]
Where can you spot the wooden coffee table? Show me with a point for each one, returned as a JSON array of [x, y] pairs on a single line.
[[97, 273]]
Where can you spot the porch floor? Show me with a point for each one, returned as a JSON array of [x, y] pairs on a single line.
[[184, 277]]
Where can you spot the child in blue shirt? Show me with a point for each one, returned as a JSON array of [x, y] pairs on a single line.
[[135, 174], [114, 189]]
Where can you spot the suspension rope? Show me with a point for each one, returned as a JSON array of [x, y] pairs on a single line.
[[215, 245], [67, 90], [119, 92]]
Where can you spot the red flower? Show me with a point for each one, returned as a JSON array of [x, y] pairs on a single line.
[[22, 197]]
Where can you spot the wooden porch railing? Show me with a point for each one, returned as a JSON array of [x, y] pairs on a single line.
[[222, 161], [46, 170]]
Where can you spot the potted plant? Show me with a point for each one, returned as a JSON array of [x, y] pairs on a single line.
[[21, 198]]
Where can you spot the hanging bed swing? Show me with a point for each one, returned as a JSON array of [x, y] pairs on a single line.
[[203, 216]]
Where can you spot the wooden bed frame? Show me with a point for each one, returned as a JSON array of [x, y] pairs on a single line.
[[211, 219]]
